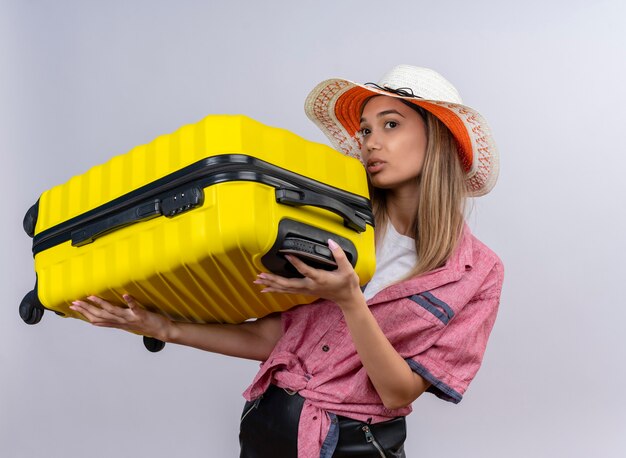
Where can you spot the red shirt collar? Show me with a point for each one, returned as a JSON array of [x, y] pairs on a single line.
[[461, 261]]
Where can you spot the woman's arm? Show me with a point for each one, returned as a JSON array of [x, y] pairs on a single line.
[[250, 340], [395, 382]]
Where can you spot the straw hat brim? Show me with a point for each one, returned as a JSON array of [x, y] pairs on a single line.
[[334, 106]]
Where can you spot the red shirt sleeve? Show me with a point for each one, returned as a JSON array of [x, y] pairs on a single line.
[[456, 354]]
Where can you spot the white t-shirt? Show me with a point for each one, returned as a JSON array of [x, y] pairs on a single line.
[[395, 257]]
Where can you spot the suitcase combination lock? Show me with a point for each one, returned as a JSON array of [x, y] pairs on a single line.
[[169, 205], [182, 201]]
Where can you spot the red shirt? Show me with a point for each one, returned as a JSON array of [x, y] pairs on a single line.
[[439, 322]]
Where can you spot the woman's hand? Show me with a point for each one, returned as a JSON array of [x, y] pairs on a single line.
[[340, 286], [133, 318]]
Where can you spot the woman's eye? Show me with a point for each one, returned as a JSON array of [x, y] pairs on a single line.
[[391, 124], [364, 131]]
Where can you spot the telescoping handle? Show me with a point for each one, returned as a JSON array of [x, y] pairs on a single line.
[[300, 197], [170, 205]]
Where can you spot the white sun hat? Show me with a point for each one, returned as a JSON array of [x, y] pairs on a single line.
[[335, 107]]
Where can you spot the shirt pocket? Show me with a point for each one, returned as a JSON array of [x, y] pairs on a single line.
[[430, 308]]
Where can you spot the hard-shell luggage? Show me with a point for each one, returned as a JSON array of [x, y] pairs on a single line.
[[185, 223]]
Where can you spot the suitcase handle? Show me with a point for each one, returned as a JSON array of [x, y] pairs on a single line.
[[309, 243], [298, 197], [170, 205], [313, 253], [139, 213]]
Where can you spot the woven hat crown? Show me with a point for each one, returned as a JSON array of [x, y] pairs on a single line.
[[424, 82]]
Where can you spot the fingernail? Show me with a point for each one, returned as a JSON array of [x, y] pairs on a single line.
[[332, 244], [262, 275]]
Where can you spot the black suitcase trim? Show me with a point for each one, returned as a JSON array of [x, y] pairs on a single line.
[[155, 199]]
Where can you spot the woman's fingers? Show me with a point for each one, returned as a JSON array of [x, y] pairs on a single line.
[[302, 267], [334, 284], [133, 318], [92, 313], [99, 311], [340, 256], [107, 306], [275, 283], [131, 302]]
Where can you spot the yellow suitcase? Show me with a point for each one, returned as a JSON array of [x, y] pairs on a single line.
[[186, 222]]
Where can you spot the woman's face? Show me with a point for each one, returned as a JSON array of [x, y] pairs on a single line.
[[393, 143]]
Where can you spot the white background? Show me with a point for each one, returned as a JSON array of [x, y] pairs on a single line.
[[81, 81]]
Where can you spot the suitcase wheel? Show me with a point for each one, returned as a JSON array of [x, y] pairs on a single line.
[[152, 344], [30, 220], [31, 310]]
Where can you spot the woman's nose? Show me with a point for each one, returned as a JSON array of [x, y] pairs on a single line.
[[371, 142]]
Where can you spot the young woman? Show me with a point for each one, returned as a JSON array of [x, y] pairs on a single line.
[[339, 375]]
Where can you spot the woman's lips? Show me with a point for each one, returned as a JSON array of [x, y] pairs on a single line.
[[375, 166]]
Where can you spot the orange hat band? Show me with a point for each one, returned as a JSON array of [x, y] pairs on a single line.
[[349, 104]]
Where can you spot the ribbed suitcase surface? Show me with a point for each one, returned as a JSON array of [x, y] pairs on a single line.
[[198, 262]]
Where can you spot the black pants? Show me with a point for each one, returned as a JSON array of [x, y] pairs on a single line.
[[269, 429]]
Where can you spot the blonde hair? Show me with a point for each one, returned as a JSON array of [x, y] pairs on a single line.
[[439, 219]]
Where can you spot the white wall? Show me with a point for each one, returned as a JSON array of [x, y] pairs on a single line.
[[83, 80]]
